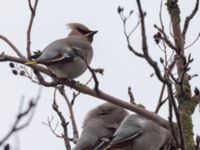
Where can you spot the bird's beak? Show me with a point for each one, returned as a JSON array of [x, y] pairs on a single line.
[[90, 35], [93, 32]]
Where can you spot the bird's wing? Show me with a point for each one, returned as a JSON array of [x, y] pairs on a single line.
[[75, 51], [66, 57], [102, 144], [118, 143], [131, 136], [59, 57], [62, 50], [125, 135], [79, 47]]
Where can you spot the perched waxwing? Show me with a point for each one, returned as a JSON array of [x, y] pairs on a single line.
[[100, 124], [66, 58], [138, 133]]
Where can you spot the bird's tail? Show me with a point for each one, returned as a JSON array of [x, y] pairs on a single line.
[[107, 147]]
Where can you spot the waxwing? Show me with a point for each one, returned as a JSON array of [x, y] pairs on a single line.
[[139, 133], [100, 124], [66, 58]]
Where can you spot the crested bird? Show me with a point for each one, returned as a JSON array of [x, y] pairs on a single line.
[[99, 124], [139, 133], [68, 57]]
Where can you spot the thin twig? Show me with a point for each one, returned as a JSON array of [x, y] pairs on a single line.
[[130, 93], [42, 80], [136, 26], [197, 38], [75, 95], [53, 130], [184, 72], [160, 102], [93, 72], [165, 38], [189, 18], [127, 36], [21, 114], [151, 62], [33, 12], [63, 123], [16, 50], [160, 15], [72, 117]]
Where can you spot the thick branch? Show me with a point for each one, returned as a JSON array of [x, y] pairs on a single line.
[[180, 127], [91, 92]]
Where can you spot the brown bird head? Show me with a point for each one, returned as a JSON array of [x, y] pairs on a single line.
[[110, 114], [80, 29]]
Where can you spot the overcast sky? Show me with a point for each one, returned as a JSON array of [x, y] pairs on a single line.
[[122, 68]]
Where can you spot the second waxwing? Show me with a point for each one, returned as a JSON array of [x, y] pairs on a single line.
[[67, 57], [99, 124], [139, 133]]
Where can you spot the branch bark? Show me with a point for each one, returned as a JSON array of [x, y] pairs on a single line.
[[88, 91], [33, 12]]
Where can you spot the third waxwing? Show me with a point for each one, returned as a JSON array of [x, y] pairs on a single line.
[[99, 124], [66, 57], [142, 134]]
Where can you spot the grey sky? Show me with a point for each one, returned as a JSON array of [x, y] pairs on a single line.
[[122, 68]]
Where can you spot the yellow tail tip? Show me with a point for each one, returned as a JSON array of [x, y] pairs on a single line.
[[31, 62], [107, 147]]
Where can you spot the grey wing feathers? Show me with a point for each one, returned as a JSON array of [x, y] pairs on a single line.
[[61, 50]]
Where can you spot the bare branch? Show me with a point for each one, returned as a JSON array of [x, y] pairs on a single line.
[[7, 147], [160, 102], [160, 15], [33, 12], [53, 129], [165, 38], [127, 35], [184, 72], [172, 128], [72, 117], [30, 6], [197, 38], [130, 93], [189, 18], [151, 62], [198, 142], [75, 95], [17, 51], [86, 90], [136, 26], [63, 123], [93, 72], [96, 86], [180, 127], [28, 112]]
